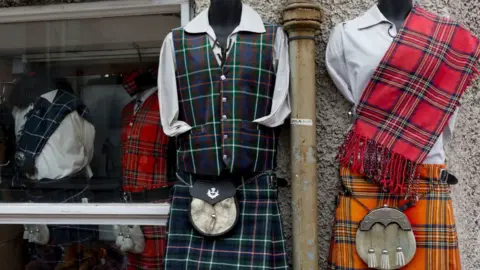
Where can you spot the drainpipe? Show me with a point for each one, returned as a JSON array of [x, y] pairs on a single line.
[[301, 19]]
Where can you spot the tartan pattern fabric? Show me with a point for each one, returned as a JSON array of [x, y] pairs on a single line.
[[62, 237], [221, 102], [42, 121], [257, 241], [432, 220], [155, 245], [410, 98], [130, 84], [144, 147]]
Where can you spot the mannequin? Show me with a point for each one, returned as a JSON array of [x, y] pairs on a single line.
[[221, 165], [388, 174], [224, 16], [144, 169], [395, 10]]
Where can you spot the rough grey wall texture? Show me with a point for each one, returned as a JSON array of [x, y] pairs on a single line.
[[463, 151], [332, 119], [14, 3]]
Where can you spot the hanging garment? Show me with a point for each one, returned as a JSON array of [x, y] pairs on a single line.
[[223, 103], [222, 134], [432, 219], [41, 123], [256, 242], [403, 118], [49, 173], [144, 171], [409, 100]]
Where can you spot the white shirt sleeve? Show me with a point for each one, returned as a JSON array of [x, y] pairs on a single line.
[[281, 96], [167, 91], [68, 150], [336, 63]]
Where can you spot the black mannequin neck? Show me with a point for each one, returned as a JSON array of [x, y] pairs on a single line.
[[224, 16], [395, 11]]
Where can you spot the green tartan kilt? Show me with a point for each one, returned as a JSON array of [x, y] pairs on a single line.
[[257, 241]]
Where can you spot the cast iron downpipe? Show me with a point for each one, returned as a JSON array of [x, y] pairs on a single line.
[[301, 19]]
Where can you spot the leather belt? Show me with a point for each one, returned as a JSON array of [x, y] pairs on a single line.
[[146, 195], [273, 180], [72, 182]]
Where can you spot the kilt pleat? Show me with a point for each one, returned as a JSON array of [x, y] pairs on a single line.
[[432, 220], [152, 256], [155, 244], [257, 241]]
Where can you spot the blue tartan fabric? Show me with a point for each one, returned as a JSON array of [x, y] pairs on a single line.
[[221, 102], [62, 237], [42, 121], [256, 242]]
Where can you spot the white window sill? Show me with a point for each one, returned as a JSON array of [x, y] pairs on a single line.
[[84, 214]]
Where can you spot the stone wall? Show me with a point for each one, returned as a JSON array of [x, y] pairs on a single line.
[[332, 121], [463, 151], [16, 3]]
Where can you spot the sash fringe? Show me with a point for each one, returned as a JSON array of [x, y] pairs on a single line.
[[392, 171]]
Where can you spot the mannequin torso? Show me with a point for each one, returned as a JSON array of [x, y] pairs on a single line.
[[224, 16], [395, 10]]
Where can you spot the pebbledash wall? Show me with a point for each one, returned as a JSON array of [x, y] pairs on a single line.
[[332, 122]]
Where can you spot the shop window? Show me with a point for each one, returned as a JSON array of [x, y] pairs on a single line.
[[62, 169]]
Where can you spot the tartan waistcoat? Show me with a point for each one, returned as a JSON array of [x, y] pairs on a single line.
[[221, 102], [144, 147], [42, 121]]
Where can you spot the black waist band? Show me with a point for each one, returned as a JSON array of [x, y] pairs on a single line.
[[72, 182], [145, 196]]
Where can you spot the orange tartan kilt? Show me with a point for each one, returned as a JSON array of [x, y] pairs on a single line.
[[432, 221]]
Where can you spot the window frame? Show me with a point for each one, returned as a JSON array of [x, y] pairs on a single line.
[[90, 213]]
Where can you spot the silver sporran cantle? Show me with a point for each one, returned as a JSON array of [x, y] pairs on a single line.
[[385, 239]]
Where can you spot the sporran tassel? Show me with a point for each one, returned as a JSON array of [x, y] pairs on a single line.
[[400, 257], [372, 258], [385, 262]]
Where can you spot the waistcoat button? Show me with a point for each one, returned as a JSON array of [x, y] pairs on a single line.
[[224, 99], [224, 117], [223, 78]]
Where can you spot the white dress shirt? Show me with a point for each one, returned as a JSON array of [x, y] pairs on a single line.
[[250, 22], [68, 150], [355, 50], [141, 97]]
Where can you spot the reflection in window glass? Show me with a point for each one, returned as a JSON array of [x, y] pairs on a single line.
[[79, 111], [80, 123], [81, 247]]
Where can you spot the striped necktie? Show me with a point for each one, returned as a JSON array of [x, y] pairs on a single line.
[[138, 104]]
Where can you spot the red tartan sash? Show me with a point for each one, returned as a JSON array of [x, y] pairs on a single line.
[[410, 99], [144, 147]]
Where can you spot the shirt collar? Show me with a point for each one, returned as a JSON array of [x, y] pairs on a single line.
[[50, 96], [249, 22], [371, 18], [145, 94]]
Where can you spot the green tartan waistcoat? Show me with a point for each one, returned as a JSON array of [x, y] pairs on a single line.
[[220, 103]]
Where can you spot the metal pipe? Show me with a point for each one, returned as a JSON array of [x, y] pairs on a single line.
[[301, 21]]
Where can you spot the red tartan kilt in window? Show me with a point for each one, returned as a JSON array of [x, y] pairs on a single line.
[[144, 167], [155, 246], [144, 147]]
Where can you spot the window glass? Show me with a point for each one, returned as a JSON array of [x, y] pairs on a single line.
[[99, 247], [79, 112]]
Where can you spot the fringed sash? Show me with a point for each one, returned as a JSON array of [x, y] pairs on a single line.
[[410, 99]]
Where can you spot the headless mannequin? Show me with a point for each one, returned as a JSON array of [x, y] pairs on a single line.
[[224, 16], [395, 11]]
